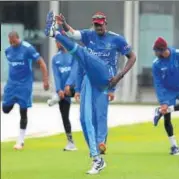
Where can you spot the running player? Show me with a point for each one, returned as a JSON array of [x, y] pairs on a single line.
[[18, 89]]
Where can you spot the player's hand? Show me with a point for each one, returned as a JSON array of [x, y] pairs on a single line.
[[115, 80], [164, 109], [46, 85], [111, 96], [77, 97], [67, 90], [61, 94], [60, 19]]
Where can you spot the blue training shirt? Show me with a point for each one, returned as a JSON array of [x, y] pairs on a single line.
[[107, 47], [166, 76], [20, 63], [64, 70]]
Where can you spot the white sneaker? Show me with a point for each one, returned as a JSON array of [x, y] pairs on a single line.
[[54, 100], [18, 146], [97, 166], [70, 147]]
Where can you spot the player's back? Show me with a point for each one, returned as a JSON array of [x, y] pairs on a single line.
[[20, 63]]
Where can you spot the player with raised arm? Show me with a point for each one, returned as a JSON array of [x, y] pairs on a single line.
[[98, 75], [166, 81], [62, 65], [18, 89], [108, 46]]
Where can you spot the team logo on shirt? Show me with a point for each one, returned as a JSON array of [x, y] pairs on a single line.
[[64, 69], [91, 42], [16, 63], [35, 55], [127, 47], [108, 46], [164, 68], [163, 72], [57, 62], [99, 54]]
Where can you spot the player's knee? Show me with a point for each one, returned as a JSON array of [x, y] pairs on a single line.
[[6, 110]]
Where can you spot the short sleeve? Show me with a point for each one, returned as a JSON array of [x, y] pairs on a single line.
[[85, 34], [33, 54], [123, 47]]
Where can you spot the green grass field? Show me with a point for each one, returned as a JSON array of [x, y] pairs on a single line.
[[134, 152]]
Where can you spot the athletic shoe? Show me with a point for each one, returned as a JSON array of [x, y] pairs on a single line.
[[70, 147], [19, 146], [97, 166], [102, 148], [54, 100], [157, 116], [50, 24], [174, 150]]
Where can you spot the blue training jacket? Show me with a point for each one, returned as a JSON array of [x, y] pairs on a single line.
[[64, 70], [166, 76]]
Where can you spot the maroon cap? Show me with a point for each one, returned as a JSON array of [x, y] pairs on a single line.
[[160, 44], [99, 18]]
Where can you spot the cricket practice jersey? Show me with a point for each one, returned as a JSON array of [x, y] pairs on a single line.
[[64, 70], [108, 47], [166, 75], [20, 63]]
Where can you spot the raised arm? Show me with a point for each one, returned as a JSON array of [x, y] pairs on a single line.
[[70, 32]]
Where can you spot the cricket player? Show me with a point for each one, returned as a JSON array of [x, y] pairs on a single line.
[[108, 46], [62, 64], [18, 89], [100, 99], [166, 81], [98, 74]]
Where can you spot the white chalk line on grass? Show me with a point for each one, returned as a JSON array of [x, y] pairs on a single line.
[[46, 121]]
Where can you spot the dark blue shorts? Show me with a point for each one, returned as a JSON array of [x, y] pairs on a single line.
[[20, 94]]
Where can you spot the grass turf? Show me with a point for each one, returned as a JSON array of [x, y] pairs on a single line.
[[134, 152]]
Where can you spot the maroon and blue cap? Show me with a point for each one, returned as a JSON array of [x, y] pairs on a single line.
[[99, 18], [160, 45]]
